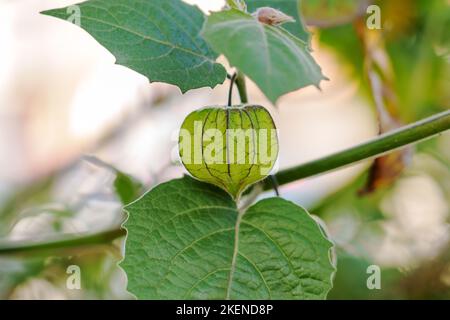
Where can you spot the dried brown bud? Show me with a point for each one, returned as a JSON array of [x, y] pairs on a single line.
[[272, 16]]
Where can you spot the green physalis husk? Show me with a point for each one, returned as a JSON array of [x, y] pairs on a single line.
[[230, 147]]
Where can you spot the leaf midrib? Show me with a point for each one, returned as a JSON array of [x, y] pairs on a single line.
[[235, 254]]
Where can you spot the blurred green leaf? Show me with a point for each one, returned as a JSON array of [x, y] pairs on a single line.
[[126, 187], [351, 280], [14, 271], [182, 244], [274, 59], [157, 38], [419, 42], [27, 197], [415, 38], [326, 13], [344, 42]]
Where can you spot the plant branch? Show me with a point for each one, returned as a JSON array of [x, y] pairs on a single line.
[[378, 146], [242, 87], [385, 143], [69, 242]]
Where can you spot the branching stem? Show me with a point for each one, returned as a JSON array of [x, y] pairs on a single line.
[[385, 143]]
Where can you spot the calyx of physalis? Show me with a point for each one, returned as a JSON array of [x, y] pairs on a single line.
[[230, 147]]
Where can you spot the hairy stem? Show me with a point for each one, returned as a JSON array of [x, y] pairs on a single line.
[[387, 142]]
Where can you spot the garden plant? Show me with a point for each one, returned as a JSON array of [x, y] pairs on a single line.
[[211, 234]]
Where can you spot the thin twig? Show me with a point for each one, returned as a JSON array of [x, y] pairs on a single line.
[[275, 185]]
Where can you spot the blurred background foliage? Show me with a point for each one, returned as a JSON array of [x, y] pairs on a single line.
[[82, 137]]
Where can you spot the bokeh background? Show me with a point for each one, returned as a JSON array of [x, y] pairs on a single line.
[[76, 130]]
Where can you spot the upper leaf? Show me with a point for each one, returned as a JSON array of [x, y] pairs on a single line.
[[157, 38], [274, 59], [186, 240], [290, 7]]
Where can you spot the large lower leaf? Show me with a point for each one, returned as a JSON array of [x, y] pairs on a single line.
[[273, 58], [290, 7], [186, 240], [157, 38]]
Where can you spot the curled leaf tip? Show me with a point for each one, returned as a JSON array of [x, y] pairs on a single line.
[[272, 17]]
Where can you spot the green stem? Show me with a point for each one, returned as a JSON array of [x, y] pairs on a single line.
[[230, 91], [385, 143], [242, 87], [25, 247]]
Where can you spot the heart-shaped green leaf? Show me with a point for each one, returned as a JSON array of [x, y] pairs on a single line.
[[157, 38], [187, 240], [274, 59]]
